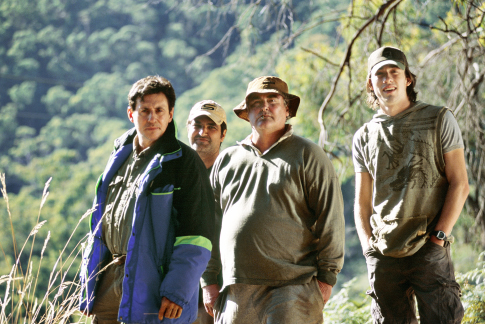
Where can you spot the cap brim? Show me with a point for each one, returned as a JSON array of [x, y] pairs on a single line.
[[204, 113], [376, 67]]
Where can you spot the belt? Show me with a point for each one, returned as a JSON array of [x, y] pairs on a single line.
[[119, 259]]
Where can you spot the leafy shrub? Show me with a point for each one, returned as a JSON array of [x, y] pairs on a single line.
[[473, 289], [343, 309]]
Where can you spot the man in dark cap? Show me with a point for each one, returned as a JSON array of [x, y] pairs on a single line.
[[282, 233], [411, 184]]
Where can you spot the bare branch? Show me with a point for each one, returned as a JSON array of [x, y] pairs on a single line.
[[226, 37], [345, 62], [437, 51], [447, 30], [383, 24], [304, 29], [319, 56]]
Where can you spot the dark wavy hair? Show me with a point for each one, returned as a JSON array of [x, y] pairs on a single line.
[[372, 100], [151, 85]]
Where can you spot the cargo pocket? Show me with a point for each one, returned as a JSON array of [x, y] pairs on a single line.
[[451, 308]]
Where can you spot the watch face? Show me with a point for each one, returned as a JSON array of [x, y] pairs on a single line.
[[441, 235]]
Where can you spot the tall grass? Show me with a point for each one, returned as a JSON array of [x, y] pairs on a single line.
[[22, 303]]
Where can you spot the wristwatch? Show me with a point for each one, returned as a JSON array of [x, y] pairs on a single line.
[[440, 235]]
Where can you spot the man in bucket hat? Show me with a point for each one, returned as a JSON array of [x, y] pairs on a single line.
[[281, 209], [411, 184]]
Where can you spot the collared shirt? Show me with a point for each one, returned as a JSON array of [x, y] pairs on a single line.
[[120, 199], [248, 140]]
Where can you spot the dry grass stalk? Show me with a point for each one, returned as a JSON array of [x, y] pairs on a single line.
[[60, 301]]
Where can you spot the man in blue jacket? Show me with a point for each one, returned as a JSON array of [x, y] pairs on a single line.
[[151, 233]]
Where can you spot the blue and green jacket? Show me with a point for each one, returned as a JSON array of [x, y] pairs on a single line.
[[172, 233]]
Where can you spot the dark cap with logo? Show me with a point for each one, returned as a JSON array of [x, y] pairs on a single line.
[[386, 55], [267, 84]]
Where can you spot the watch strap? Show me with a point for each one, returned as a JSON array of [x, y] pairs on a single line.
[[440, 235]]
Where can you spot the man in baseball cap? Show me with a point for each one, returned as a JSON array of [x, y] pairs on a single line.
[[410, 187], [206, 128], [397, 98], [386, 55], [280, 205]]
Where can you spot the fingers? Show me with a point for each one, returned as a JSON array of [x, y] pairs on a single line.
[[85, 313], [169, 309], [179, 312], [209, 309], [210, 294], [173, 311], [325, 290], [162, 310]]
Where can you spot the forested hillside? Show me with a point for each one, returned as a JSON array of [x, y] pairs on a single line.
[[66, 67]]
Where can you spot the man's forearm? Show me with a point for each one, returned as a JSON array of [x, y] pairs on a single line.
[[363, 208], [362, 225], [457, 193], [454, 201]]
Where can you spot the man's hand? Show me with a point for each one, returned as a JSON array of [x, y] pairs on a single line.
[[85, 313], [169, 309], [210, 294], [435, 240], [326, 291]]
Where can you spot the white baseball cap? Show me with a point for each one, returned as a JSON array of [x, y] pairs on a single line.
[[208, 108]]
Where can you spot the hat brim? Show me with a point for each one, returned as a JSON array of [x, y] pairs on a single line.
[[376, 67], [218, 121], [293, 104]]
